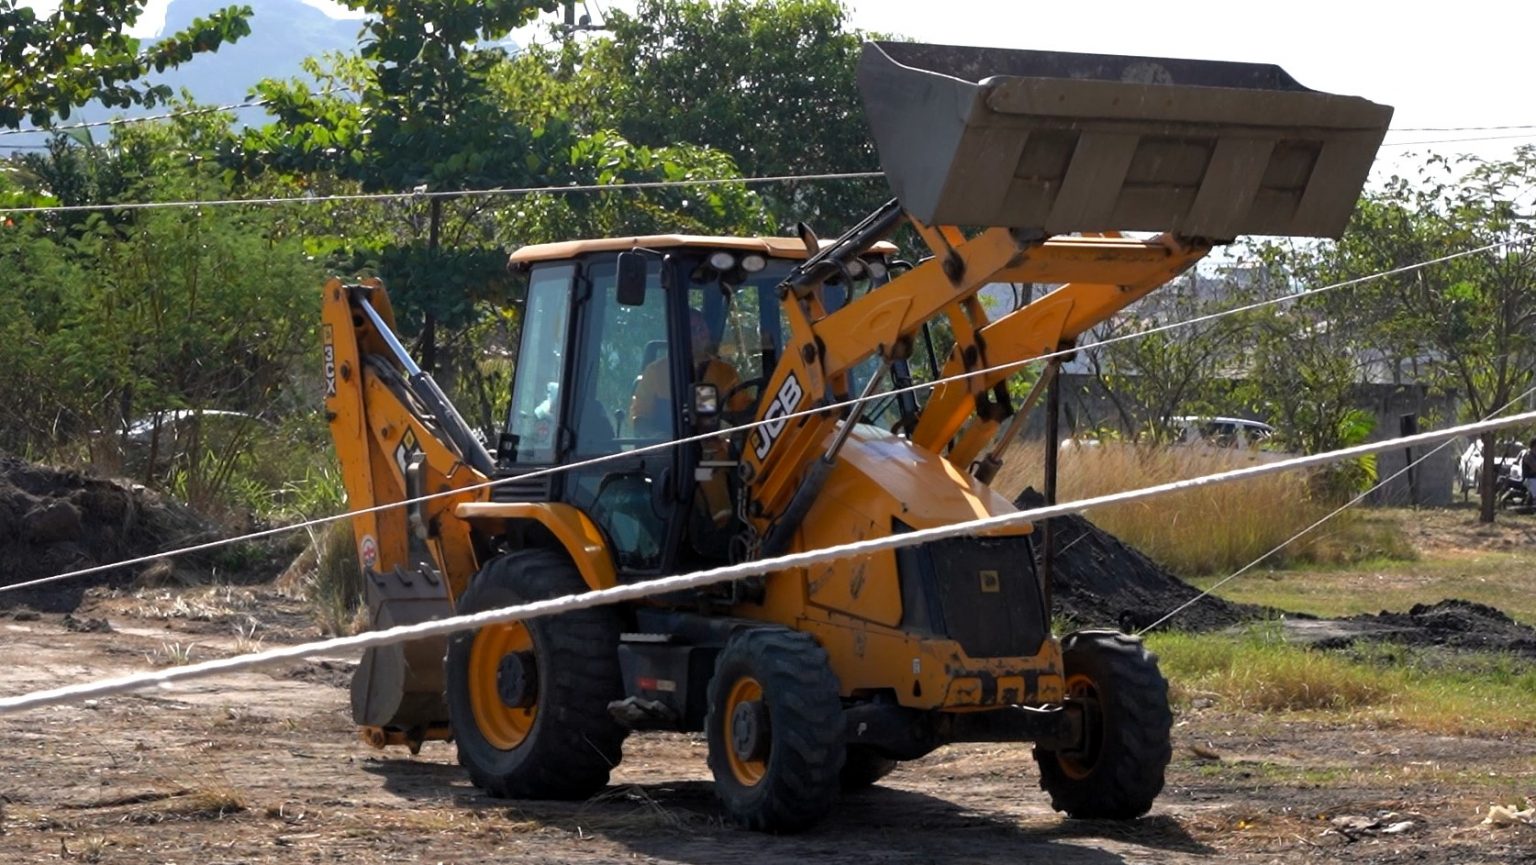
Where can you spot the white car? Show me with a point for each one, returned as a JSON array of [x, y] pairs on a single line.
[[1222, 432], [1226, 432], [1470, 464]]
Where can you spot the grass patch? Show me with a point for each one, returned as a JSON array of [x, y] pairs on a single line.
[[1213, 530], [1498, 579], [329, 578], [1434, 691], [1260, 672]]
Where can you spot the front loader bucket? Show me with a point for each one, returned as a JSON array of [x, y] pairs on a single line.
[[1087, 142]]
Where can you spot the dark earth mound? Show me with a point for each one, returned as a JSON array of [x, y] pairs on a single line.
[[1453, 624], [1100, 582], [55, 520]]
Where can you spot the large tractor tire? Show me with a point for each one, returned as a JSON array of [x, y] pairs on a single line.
[[1118, 771], [528, 701], [775, 730]]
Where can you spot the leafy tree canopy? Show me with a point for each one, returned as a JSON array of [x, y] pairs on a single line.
[[53, 64], [770, 83]]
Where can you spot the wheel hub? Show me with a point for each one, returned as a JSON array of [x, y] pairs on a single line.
[[517, 680], [749, 730]]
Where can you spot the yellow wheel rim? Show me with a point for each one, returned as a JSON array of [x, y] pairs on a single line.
[[1080, 764], [747, 772], [502, 726]]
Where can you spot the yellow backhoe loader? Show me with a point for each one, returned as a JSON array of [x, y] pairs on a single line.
[[1011, 166]]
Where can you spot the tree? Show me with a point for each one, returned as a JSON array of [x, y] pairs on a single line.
[[1158, 376], [116, 318], [423, 117], [424, 113], [50, 65], [1468, 324], [770, 83]]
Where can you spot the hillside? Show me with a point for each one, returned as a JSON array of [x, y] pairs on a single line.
[[283, 33]]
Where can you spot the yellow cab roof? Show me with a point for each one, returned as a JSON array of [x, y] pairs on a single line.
[[773, 247]]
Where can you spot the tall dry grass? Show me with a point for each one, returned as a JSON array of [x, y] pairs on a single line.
[[1215, 529]]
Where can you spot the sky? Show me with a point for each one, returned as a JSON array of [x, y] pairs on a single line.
[[1459, 67]]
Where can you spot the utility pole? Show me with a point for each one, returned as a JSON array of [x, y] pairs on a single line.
[[573, 24]]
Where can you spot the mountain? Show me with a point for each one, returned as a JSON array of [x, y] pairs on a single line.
[[283, 33]]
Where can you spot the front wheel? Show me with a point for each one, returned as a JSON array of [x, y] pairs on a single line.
[[775, 730], [1117, 770], [528, 701]]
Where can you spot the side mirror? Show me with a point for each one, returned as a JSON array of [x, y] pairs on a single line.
[[631, 286], [706, 401]]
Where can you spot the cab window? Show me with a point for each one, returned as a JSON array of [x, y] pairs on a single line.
[[535, 415]]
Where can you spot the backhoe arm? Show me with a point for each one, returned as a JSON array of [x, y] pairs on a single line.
[[397, 439]]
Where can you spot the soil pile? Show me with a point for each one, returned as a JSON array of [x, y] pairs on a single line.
[[1451, 623], [1101, 582], [54, 520]]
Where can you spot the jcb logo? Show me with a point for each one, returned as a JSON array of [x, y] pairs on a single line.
[[784, 404]]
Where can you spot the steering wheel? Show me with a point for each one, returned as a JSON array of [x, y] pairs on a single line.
[[741, 386]]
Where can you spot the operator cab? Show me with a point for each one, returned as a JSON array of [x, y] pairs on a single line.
[[629, 343]]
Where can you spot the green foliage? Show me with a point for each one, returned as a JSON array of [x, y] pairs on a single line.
[[112, 319], [50, 65], [422, 110], [1161, 375], [770, 83], [1463, 325]]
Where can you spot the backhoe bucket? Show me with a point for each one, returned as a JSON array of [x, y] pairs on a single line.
[[1063, 142]]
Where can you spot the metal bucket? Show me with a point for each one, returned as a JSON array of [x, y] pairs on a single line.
[[1064, 142]]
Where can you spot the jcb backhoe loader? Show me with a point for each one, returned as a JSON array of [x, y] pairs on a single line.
[[1011, 166]]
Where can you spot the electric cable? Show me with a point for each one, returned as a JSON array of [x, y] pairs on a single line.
[[452, 193], [660, 446], [168, 115], [700, 579]]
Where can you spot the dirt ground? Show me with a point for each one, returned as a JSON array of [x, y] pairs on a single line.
[[265, 767]]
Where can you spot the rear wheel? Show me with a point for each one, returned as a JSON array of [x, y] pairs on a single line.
[[528, 701], [1117, 771], [775, 730]]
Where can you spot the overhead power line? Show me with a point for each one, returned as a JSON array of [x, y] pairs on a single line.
[[662, 446], [168, 115], [1460, 128], [699, 579], [1459, 140], [453, 193]]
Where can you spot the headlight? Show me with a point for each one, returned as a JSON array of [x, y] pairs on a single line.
[[752, 262], [722, 261]]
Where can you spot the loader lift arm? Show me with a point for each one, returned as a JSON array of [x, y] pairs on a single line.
[[1054, 166], [1101, 276]]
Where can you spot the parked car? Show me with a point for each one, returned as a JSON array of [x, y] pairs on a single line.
[[1226, 432], [1470, 464], [1215, 431]]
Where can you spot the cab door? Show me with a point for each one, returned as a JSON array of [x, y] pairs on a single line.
[[623, 399]]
